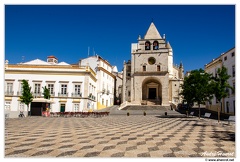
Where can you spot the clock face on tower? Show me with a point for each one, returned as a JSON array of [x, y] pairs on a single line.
[[151, 60]]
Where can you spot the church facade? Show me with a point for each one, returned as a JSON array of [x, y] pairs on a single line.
[[150, 77]]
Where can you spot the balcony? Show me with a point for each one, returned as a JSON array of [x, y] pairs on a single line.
[[19, 93], [78, 95], [9, 93], [91, 97], [62, 94], [37, 94], [52, 94]]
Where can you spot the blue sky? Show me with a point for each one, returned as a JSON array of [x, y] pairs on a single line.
[[197, 33]]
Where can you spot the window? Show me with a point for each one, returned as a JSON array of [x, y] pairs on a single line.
[[225, 58], [233, 90], [129, 93], [90, 88], [107, 103], [64, 89], [228, 92], [144, 68], [158, 68], [20, 89], [155, 45], [51, 88], [233, 54], [76, 107], [8, 105], [102, 101], [227, 103], [37, 89], [21, 106], [216, 72], [151, 60], [9, 89], [233, 71], [77, 89], [147, 45]]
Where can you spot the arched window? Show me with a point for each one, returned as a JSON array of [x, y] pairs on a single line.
[[147, 45], [155, 45]]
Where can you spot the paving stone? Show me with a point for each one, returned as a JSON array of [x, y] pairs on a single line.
[[116, 136]]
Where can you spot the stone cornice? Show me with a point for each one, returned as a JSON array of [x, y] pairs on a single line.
[[109, 73], [145, 73]]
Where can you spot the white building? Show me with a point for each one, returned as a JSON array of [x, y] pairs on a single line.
[[118, 87], [226, 59], [72, 87], [150, 77], [105, 79]]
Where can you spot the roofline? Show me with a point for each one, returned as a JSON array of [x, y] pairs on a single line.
[[219, 57], [228, 51]]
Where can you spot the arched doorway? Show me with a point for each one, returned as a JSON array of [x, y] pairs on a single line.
[[152, 90]]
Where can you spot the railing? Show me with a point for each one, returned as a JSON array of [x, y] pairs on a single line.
[[62, 95], [52, 94], [76, 94], [9, 93], [38, 94], [92, 97]]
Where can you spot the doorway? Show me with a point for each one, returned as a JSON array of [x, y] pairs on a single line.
[[36, 108], [62, 108], [152, 93]]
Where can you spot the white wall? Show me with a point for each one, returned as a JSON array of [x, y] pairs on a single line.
[[43, 79]]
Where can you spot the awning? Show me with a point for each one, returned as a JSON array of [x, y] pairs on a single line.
[[43, 100]]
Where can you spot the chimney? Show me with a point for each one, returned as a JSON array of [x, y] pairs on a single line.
[[52, 60]]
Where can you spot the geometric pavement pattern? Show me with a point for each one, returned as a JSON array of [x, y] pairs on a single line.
[[117, 136]]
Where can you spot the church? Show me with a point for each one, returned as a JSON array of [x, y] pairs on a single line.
[[150, 77]]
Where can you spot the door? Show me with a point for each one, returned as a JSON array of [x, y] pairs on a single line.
[[152, 93], [36, 109], [62, 108]]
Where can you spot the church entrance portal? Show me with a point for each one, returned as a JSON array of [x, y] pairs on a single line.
[[152, 93]]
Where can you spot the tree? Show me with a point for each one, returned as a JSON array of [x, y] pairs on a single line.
[[221, 86], [187, 91], [46, 93], [197, 88], [27, 96]]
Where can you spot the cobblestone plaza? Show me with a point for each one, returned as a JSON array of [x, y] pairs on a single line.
[[118, 136]]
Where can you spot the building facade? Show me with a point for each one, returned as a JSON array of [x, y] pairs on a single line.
[[226, 59], [105, 79], [150, 76], [72, 87]]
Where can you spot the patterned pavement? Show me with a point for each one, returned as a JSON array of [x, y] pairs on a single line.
[[118, 136]]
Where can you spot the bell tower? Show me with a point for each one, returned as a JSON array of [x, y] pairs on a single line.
[[150, 76]]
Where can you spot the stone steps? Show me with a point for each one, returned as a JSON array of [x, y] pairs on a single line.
[[150, 102], [146, 107], [140, 109]]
